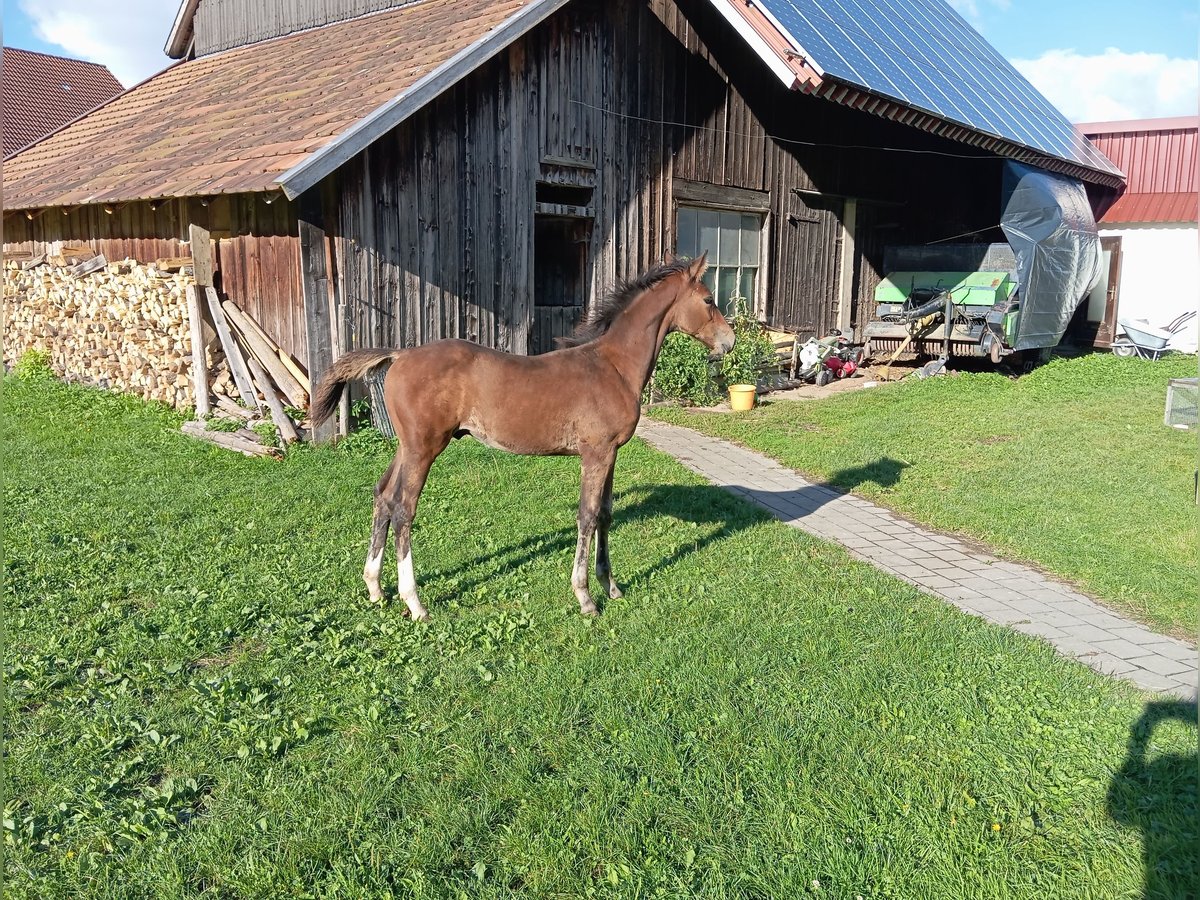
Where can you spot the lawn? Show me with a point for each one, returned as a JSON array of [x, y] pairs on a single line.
[[202, 703], [1069, 467]]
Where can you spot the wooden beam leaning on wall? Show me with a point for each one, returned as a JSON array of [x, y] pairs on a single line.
[[318, 313], [233, 353], [199, 364]]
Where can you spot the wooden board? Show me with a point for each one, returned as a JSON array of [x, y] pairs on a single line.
[[202, 255], [199, 369], [287, 430], [262, 351], [227, 440], [233, 353], [317, 314]]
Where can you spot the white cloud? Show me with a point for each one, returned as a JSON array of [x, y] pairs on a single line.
[[129, 43], [1114, 85], [971, 9]]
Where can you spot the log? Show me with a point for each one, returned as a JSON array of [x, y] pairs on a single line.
[[261, 350], [227, 440], [233, 353], [230, 408], [287, 430], [294, 367], [172, 263], [199, 369], [95, 264]]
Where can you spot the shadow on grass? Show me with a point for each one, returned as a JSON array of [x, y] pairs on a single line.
[[695, 504], [1156, 794]]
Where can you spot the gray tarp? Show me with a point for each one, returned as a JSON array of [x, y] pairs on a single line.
[[1049, 224]]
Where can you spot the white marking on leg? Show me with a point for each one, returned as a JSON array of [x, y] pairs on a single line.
[[371, 575], [408, 587]]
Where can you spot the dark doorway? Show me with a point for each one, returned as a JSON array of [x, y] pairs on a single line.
[[560, 269], [1095, 321]]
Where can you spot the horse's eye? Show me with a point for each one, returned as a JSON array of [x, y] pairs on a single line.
[[709, 300]]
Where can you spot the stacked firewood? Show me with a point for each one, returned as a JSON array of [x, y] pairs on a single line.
[[122, 325], [129, 327]]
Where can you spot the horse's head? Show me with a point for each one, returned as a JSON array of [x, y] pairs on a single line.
[[695, 312]]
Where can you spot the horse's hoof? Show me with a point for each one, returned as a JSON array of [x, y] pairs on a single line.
[[588, 609], [615, 593]]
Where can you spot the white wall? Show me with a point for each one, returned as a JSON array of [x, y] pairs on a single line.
[[1160, 275]]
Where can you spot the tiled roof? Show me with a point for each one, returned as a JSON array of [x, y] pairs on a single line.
[[1160, 157], [235, 121], [43, 92]]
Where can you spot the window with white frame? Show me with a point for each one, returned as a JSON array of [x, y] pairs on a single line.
[[732, 240]]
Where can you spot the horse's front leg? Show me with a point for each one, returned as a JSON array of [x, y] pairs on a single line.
[[603, 522], [591, 494]]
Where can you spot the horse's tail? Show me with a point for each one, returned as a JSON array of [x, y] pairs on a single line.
[[351, 367]]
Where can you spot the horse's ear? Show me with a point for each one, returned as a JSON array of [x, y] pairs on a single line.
[[669, 258], [699, 266]]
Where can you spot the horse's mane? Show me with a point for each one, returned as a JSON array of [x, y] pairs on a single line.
[[618, 299]]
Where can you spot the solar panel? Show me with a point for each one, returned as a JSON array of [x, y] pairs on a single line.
[[924, 55]]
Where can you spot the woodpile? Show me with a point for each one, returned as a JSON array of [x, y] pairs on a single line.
[[121, 326], [131, 327]]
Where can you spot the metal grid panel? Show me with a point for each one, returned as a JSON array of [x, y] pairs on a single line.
[[925, 55]]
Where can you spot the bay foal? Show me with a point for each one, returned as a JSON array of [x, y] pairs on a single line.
[[582, 400]]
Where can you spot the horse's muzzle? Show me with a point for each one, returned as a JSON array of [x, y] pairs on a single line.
[[722, 347]]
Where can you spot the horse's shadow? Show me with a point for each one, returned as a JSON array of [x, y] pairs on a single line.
[[1156, 793], [696, 505]]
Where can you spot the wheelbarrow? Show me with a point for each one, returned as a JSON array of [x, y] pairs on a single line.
[[1142, 339]]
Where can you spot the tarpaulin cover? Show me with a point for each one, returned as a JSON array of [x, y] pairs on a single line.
[[1049, 224]]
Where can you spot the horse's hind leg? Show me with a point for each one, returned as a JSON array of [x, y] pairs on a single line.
[[404, 509], [603, 521], [381, 519]]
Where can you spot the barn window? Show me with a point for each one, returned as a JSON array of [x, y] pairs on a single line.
[[733, 240]]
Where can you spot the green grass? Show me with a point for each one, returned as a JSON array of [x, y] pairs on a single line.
[[1069, 467], [202, 703]]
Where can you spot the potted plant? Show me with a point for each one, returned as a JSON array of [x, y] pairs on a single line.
[[752, 350]]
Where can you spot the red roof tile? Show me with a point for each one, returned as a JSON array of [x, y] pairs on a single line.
[[233, 121], [43, 92]]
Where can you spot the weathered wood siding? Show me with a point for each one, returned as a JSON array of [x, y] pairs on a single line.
[[223, 24], [435, 224], [257, 260]]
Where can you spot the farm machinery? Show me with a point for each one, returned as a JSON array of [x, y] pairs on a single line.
[[944, 314], [992, 300]]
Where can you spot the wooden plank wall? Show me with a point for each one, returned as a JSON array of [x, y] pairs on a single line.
[[434, 226], [222, 24], [257, 248]]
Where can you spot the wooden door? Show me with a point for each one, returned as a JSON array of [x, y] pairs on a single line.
[[1106, 329]]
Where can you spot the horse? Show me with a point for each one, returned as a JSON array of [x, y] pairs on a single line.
[[583, 399]]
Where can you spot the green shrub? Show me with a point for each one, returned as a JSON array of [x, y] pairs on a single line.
[[752, 349], [224, 423], [34, 365], [267, 432], [682, 372]]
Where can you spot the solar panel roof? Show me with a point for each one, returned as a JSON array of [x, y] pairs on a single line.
[[924, 54]]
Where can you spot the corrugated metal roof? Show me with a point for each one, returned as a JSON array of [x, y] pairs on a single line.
[[235, 121], [1148, 208], [42, 93], [1159, 157]]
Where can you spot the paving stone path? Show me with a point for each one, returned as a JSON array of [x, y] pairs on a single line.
[[976, 582]]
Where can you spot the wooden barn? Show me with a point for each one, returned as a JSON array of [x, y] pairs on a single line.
[[382, 172]]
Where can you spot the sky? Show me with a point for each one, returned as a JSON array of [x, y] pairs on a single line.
[[1094, 59]]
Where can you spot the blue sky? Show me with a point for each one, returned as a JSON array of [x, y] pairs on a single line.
[[1095, 59], [1025, 29]]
